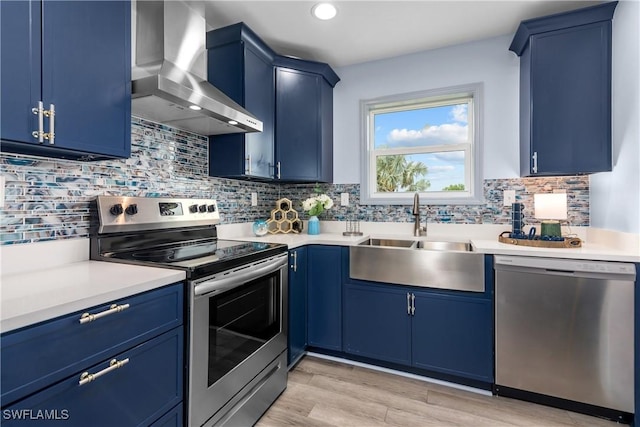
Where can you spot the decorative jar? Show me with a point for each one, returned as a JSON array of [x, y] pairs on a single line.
[[314, 225]]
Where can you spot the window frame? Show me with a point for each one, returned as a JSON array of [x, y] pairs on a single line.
[[407, 101]]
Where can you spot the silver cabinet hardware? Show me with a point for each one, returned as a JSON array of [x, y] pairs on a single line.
[[534, 168], [411, 304], [276, 169], [114, 308], [39, 111], [294, 255], [248, 169], [40, 134], [86, 377], [51, 114]]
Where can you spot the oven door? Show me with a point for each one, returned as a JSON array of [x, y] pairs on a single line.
[[238, 328]]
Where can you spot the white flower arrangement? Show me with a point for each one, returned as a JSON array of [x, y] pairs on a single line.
[[314, 206]]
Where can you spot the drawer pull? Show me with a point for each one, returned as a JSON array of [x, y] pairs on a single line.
[[87, 317], [86, 377]]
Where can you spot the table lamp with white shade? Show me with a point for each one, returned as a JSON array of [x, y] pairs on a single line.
[[550, 208]]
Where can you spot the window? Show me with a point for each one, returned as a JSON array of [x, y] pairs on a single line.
[[427, 142]]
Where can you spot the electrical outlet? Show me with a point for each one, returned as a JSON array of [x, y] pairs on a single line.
[[254, 199], [508, 197], [344, 199]]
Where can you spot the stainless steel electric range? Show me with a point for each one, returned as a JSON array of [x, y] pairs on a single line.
[[236, 293]]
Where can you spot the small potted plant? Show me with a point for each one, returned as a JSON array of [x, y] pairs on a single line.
[[314, 206]]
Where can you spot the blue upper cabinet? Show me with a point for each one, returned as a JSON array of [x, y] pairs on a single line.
[[304, 120], [292, 97], [565, 92], [241, 65], [20, 53], [76, 57]]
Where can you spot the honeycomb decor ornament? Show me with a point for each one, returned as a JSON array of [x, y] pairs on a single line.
[[284, 219]]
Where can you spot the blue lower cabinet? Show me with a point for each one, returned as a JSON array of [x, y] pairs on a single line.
[[453, 335], [443, 332], [297, 304], [325, 297], [377, 323], [40, 355], [173, 418], [137, 393]]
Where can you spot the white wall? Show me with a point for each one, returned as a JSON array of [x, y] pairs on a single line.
[[615, 196], [488, 61]]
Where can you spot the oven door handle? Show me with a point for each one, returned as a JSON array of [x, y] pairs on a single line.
[[235, 279]]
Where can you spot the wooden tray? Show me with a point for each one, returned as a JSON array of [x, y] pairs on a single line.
[[568, 242]]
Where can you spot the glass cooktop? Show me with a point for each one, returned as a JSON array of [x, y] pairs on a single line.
[[209, 255]]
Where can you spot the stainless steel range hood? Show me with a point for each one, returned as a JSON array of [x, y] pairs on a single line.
[[169, 74]]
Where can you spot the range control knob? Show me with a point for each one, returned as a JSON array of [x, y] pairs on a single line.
[[202, 208], [193, 208], [211, 208], [116, 209], [131, 209]]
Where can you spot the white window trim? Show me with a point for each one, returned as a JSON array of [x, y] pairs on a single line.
[[473, 163]]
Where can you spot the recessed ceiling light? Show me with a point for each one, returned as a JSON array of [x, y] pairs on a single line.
[[233, 122], [195, 107], [324, 11]]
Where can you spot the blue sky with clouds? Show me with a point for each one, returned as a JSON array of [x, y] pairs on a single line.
[[427, 127]]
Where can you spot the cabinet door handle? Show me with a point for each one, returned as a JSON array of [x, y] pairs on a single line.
[[294, 255], [39, 111], [413, 304], [87, 317], [248, 169], [51, 114], [534, 168], [86, 377], [278, 170], [408, 303]]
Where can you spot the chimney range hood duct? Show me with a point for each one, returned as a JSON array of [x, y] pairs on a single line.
[[169, 74]]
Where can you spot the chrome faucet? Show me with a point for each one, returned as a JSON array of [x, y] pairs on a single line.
[[418, 230]]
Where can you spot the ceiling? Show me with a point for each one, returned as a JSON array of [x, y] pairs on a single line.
[[369, 30]]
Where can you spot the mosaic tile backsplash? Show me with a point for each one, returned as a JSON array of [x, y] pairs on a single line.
[[491, 212], [47, 199]]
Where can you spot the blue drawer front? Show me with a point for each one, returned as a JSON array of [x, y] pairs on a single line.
[[173, 418], [136, 394], [38, 356]]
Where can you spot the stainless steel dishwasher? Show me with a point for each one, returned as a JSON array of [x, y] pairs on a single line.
[[565, 330]]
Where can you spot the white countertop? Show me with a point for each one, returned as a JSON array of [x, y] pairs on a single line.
[[41, 281], [598, 246], [29, 298], [46, 291]]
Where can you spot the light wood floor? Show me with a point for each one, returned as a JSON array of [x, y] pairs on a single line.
[[327, 393]]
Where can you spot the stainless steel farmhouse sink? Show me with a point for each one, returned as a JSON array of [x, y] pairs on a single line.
[[389, 242], [443, 246], [425, 263]]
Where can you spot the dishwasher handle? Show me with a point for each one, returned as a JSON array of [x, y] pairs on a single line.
[[566, 267]]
